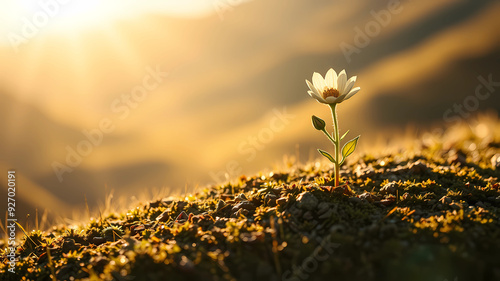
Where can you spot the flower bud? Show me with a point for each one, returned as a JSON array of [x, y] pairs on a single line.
[[318, 123]]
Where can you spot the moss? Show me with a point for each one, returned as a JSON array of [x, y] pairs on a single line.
[[430, 213]]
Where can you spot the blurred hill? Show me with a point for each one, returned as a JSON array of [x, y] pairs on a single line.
[[230, 76]]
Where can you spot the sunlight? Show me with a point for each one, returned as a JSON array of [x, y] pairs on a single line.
[[52, 14], [24, 19]]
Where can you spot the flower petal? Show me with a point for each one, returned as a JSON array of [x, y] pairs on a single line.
[[350, 84], [318, 82], [331, 100], [341, 80], [312, 88], [330, 77], [316, 96], [341, 98], [352, 92]]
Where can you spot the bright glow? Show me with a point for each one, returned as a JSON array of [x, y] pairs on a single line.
[[26, 17]]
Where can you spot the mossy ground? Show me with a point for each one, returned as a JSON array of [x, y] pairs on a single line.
[[426, 213]]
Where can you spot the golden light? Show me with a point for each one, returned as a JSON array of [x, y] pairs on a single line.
[[23, 18]]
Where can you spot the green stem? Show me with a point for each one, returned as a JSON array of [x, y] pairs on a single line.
[[336, 143], [328, 136]]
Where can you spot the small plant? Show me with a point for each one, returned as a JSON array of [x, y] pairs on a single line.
[[333, 90]]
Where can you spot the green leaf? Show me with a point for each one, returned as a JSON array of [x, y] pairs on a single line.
[[349, 147], [345, 134], [327, 155]]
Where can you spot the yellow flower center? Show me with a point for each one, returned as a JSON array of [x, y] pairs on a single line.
[[330, 92]]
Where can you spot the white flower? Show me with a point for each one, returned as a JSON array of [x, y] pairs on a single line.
[[332, 89]]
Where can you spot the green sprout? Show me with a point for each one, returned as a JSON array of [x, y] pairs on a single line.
[[333, 90]]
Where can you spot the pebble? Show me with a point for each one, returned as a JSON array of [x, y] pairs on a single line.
[[418, 168], [98, 240], [136, 229], [69, 245], [323, 208], [182, 217], [327, 214], [295, 211], [220, 204], [389, 188], [308, 215], [241, 197], [163, 216], [366, 196], [243, 205], [337, 228], [307, 201], [495, 161], [388, 201]]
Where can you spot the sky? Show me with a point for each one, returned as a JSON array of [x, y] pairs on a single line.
[[136, 97]]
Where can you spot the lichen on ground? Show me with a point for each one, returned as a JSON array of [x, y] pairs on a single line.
[[426, 213]]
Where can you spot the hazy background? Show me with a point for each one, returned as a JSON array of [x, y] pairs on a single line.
[[232, 65]]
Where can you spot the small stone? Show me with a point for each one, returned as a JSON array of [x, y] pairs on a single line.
[[182, 217], [323, 208], [98, 240], [136, 229], [389, 188], [495, 161], [220, 204], [243, 205], [163, 217], [307, 201], [367, 196], [455, 206], [69, 245], [308, 215], [480, 204], [327, 214], [388, 201], [296, 212], [337, 228], [418, 168], [241, 197]]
